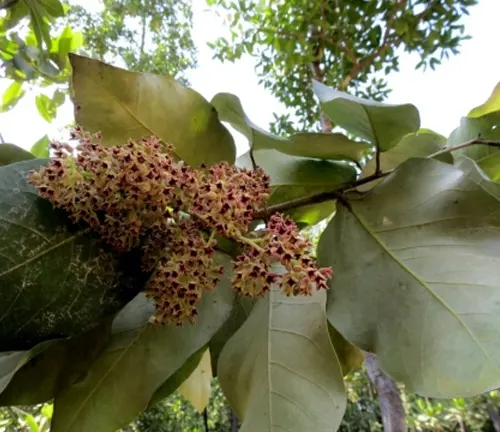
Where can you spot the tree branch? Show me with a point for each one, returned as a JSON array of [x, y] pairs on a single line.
[[475, 141], [384, 46], [338, 192]]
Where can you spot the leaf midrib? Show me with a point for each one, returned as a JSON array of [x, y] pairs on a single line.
[[45, 252], [423, 283]]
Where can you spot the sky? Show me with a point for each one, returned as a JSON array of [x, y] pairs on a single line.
[[442, 96]]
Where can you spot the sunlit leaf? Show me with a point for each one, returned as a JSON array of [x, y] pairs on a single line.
[[123, 105], [41, 148], [11, 96], [492, 104], [197, 387], [350, 356], [420, 144]]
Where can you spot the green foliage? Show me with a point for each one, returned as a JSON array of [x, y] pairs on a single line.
[[480, 121], [344, 44], [414, 259], [37, 56], [147, 354], [153, 36]]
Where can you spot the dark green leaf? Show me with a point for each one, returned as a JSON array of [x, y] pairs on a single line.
[[13, 361], [55, 281], [416, 265], [124, 105], [486, 127], [295, 177], [10, 153], [286, 170], [63, 363]]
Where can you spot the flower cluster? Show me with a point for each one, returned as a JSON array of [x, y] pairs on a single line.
[[140, 195], [119, 191], [182, 273], [280, 243]]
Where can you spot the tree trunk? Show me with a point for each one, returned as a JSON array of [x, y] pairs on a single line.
[[391, 405]]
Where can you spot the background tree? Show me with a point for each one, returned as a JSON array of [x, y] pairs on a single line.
[[35, 38], [151, 35], [350, 45], [34, 47]]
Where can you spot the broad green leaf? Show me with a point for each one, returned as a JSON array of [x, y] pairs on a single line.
[[137, 314], [136, 362], [123, 105], [197, 387], [59, 365], [419, 144], [12, 95], [325, 146], [486, 127], [239, 314], [491, 166], [174, 381], [381, 124], [286, 170], [416, 271], [53, 7], [280, 371], [12, 361], [55, 281], [492, 104], [41, 148], [313, 145], [10, 153], [350, 356]]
